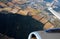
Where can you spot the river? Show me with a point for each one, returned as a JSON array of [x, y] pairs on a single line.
[[18, 26]]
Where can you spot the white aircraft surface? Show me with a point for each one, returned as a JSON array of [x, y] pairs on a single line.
[[54, 12]]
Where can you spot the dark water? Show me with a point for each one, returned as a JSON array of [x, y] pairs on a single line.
[[48, 0], [18, 26]]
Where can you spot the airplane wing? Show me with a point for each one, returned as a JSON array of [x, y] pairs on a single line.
[[54, 12]]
